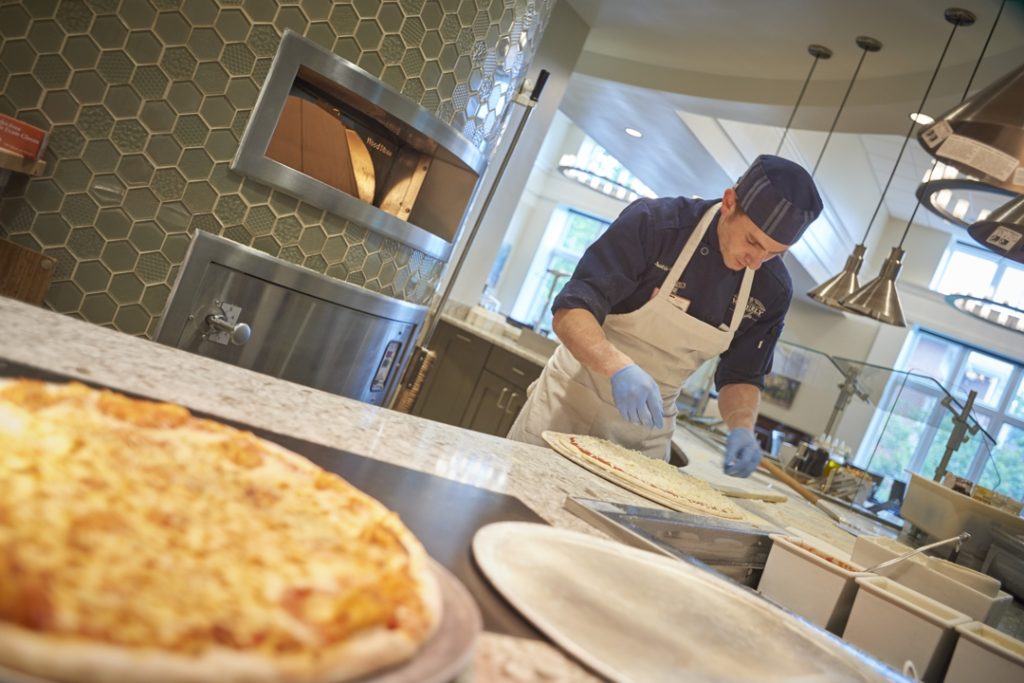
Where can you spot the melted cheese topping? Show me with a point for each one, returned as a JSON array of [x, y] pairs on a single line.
[[134, 523], [658, 475]]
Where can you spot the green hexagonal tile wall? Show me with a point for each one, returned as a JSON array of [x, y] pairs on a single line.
[[147, 99]]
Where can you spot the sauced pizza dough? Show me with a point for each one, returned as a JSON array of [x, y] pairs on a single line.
[[647, 476]]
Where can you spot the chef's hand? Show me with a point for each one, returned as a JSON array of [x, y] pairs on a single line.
[[742, 452], [637, 396]]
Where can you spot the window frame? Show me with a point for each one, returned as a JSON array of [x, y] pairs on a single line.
[[549, 248], [1002, 266], [996, 416]]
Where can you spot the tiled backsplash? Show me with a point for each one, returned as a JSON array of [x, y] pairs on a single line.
[[147, 99]]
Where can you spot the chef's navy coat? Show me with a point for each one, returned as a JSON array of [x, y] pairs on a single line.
[[620, 270]]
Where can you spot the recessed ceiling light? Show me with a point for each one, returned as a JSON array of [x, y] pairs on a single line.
[[923, 119], [633, 132]]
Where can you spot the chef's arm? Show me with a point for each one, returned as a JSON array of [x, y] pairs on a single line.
[[579, 330], [738, 404]]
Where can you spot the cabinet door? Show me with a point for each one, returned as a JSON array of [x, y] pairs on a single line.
[[447, 391], [487, 408], [516, 399], [516, 370]]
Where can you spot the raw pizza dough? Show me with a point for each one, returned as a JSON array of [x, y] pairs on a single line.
[[140, 543], [649, 477]]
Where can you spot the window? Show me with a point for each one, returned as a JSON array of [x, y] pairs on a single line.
[[567, 236], [912, 426], [980, 272], [984, 374], [902, 431], [1011, 287], [1016, 408], [1008, 476], [933, 357]]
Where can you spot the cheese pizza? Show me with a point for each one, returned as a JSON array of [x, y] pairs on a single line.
[[141, 543], [649, 477]]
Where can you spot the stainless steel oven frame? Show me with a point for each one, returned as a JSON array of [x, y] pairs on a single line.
[[296, 52]]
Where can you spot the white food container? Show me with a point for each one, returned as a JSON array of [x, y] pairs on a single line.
[[965, 590], [810, 582], [897, 624], [983, 583], [984, 654]]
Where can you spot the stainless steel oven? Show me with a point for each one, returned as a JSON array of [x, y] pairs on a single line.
[[241, 306]]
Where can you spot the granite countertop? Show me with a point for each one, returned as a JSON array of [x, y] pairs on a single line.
[[498, 340], [537, 476]]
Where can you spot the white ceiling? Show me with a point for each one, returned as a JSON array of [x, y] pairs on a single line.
[[647, 61]]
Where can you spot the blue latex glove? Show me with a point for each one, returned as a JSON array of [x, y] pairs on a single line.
[[637, 397], [742, 453]]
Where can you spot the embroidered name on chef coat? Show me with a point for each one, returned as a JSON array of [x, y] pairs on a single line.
[[755, 308]]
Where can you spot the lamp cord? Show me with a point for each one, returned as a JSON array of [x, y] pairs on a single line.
[[796, 106], [840, 111], [984, 49], [881, 200], [970, 81]]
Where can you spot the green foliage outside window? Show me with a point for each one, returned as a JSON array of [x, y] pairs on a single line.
[[913, 431], [902, 433], [960, 463], [577, 233], [1006, 473], [580, 232], [552, 284]]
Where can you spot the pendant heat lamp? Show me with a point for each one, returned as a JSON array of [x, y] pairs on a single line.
[[980, 137], [1002, 230], [818, 52], [984, 136], [830, 291], [879, 298]]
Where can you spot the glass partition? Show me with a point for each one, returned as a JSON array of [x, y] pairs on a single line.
[[888, 422], [910, 428]]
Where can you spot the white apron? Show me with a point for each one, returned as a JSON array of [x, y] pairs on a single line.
[[666, 342]]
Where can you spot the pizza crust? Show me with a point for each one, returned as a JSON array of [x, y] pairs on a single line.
[[326, 502], [651, 478], [80, 661]]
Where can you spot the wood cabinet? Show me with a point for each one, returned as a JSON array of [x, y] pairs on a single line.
[[474, 384], [488, 410], [449, 386]]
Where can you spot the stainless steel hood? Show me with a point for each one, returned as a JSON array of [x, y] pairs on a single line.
[[984, 135]]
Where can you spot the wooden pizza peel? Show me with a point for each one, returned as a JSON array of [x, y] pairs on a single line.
[[766, 495], [811, 497]]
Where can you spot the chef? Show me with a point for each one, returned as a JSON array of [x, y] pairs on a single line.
[[672, 283]]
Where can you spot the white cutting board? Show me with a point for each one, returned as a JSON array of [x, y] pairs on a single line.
[[632, 615]]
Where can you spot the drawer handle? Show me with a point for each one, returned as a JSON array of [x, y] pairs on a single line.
[[511, 399], [518, 371], [501, 399], [462, 337]]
